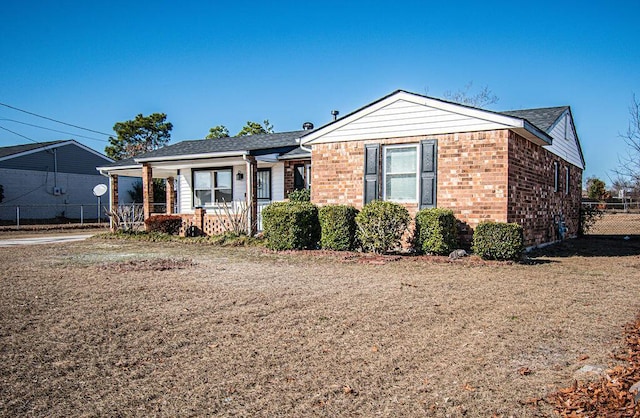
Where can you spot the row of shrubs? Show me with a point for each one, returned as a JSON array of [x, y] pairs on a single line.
[[379, 227]]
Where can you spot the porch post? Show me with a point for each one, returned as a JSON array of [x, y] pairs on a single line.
[[147, 190], [170, 187], [113, 200], [252, 195]]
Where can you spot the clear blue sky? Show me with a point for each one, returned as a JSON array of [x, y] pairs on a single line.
[[210, 63]]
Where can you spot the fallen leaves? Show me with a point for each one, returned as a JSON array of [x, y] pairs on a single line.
[[611, 395]]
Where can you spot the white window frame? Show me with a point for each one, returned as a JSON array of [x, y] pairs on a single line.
[[556, 176], [567, 180], [214, 187], [384, 172]]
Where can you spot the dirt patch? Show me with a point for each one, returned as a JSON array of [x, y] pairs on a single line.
[[247, 332]]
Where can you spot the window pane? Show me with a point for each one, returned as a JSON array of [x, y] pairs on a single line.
[[223, 195], [264, 184], [222, 179], [401, 160], [202, 197], [202, 180], [401, 187]]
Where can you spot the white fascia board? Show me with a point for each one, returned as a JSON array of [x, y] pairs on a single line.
[[114, 170], [193, 156], [506, 121]]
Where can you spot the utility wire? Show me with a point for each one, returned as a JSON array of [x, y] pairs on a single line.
[[55, 130], [15, 133], [53, 120]]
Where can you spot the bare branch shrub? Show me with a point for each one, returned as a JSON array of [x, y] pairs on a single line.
[[126, 217]]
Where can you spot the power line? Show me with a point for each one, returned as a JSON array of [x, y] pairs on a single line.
[[15, 133], [55, 130], [53, 120]]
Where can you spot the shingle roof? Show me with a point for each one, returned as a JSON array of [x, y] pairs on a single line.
[[240, 143], [542, 118], [17, 149]]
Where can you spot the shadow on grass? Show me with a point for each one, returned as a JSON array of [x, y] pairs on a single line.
[[592, 246]]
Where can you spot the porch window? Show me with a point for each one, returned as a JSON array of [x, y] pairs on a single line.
[[400, 173], [211, 187], [264, 183]]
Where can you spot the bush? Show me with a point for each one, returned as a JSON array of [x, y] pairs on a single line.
[[338, 227], [589, 215], [166, 224], [300, 195], [291, 225], [436, 231], [381, 225], [498, 241]]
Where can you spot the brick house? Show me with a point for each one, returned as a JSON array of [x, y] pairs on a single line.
[[521, 166]]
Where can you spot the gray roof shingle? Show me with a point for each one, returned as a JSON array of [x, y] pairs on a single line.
[[543, 118], [17, 149], [241, 143]]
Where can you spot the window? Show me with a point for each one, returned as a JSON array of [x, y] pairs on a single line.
[[264, 183], [400, 173], [301, 176], [212, 186], [566, 180], [556, 176]]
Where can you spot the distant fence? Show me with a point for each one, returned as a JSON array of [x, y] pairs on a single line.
[[617, 217]]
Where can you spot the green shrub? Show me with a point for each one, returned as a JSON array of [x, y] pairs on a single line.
[[300, 195], [436, 231], [166, 224], [381, 225], [338, 227], [498, 241], [589, 215], [291, 225]]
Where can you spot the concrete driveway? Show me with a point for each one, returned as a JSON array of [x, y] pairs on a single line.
[[51, 239]]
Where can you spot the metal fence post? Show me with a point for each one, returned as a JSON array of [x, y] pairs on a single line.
[[18, 217], [81, 215]]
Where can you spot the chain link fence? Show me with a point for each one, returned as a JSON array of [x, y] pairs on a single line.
[[615, 218]]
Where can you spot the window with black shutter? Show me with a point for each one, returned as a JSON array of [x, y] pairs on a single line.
[[428, 173], [371, 170]]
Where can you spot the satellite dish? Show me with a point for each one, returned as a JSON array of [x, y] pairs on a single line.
[[100, 189]]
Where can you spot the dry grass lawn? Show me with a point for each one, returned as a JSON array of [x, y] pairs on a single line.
[[117, 328]]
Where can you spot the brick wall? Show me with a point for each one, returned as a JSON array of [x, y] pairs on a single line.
[[473, 170], [533, 201]]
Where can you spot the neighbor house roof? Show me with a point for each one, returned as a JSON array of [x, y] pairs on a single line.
[[19, 149]]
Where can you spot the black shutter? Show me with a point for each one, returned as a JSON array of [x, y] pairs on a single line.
[[371, 170], [428, 173]]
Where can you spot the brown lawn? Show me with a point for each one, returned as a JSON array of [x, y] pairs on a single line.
[[116, 328]]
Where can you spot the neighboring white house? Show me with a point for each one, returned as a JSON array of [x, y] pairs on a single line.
[[51, 180]]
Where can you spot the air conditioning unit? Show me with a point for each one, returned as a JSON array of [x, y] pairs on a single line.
[[57, 191]]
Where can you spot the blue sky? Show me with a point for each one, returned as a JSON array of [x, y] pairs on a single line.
[[210, 63]]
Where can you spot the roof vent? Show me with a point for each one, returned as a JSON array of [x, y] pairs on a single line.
[[307, 126], [335, 114]]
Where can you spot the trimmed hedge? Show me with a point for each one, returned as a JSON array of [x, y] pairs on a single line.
[[338, 227], [166, 224], [498, 241], [291, 225], [381, 225], [300, 195], [436, 231]]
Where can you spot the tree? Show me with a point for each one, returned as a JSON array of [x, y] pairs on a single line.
[[255, 128], [629, 168], [159, 191], [142, 134], [596, 189], [483, 98], [219, 131]]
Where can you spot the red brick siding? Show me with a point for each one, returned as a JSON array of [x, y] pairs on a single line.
[[533, 201]]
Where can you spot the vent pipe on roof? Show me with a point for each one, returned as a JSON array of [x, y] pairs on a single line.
[[335, 114], [307, 126]]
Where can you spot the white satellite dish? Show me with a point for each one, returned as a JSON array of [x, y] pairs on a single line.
[[100, 189]]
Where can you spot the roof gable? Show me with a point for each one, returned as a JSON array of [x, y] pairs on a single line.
[[403, 114]]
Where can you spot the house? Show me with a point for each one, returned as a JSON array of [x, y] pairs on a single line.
[[46, 180], [205, 176], [522, 166]]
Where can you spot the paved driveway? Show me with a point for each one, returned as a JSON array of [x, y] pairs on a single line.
[[52, 239]]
